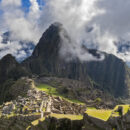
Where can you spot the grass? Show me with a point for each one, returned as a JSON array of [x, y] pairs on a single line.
[[91, 108], [71, 117], [100, 114], [53, 91], [48, 89], [73, 100], [106, 114], [36, 122], [115, 114], [28, 127], [59, 116], [125, 110]]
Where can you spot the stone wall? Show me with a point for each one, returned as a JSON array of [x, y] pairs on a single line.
[[52, 123]]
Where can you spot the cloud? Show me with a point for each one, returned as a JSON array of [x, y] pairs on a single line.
[[74, 15], [22, 27], [16, 48], [113, 25], [98, 24], [11, 3], [34, 6], [71, 49], [109, 20]]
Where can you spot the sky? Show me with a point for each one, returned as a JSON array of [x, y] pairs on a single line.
[[97, 24], [26, 4]]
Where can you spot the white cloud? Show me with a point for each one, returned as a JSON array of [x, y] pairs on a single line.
[[109, 20], [23, 27], [11, 3], [97, 24], [34, 6]]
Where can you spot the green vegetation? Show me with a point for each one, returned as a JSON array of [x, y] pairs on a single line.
[[53, 91], [106, 114], [98, 100], [91, 108], [28, 127], [48, 89], [71, 117], [100, 114], [36, 122], [125, 108]]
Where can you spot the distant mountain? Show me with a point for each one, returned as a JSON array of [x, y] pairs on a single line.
[[10, 71], [111, 74]]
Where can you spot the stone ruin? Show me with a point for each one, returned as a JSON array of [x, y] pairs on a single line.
[[39, 102], [121, 122]]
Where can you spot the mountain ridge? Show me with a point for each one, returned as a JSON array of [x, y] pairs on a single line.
[[45, 60]]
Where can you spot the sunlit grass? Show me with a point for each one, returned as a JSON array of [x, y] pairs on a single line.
[[72, 117], [125, 109], [106, 114], [28, 127], [100, 114], [53, 91], [115, 114], [48, 89], [36, 122]]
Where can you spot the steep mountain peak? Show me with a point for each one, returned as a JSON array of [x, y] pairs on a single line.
[[46, 60], [8, 59], [11, 69], [57, 24], [50, 42], [56, 43]]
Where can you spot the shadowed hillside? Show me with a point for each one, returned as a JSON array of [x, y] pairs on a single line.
[[10, 71]]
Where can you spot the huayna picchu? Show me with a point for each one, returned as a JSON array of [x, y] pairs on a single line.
[[48, 92]]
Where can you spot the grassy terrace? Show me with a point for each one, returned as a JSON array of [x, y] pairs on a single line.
[[125, 108], [58, 116], [34, 123], [100, 114], [53, 91], [106, 114], [71, 117]]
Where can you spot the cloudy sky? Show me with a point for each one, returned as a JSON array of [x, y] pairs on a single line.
[[98, 24]]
